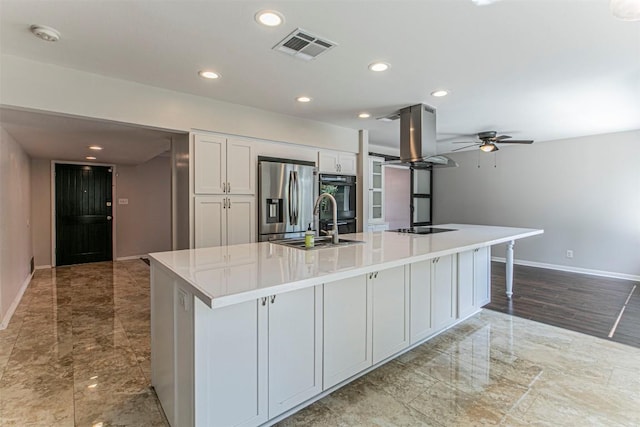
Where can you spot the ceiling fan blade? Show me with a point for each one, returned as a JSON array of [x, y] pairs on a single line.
[[462, 148], [501, 137], [516, 141], [464, 142]]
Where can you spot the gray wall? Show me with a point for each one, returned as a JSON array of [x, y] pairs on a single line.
[[144, 225], [584, 192], [15, 224]]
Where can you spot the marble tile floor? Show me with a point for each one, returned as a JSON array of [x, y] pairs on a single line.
[[77, 353]]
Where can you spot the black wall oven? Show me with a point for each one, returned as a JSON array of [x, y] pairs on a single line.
[[343, 189]]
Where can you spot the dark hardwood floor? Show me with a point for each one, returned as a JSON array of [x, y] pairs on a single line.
[[583, 303]]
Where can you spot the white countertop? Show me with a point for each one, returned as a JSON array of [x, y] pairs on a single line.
[[226, 275]]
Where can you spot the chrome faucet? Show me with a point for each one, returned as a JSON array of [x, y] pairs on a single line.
[[334, 211]]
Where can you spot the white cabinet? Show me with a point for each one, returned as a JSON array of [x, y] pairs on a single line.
[[376, 190], [473, 281], [338, 162], [347, 329], [421, 325], [390, 312], [222, 220], [223, 165], [255, 360], [295, 348], [433, 296], [443, 291]]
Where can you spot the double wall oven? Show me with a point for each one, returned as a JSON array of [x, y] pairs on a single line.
[[343, 189]]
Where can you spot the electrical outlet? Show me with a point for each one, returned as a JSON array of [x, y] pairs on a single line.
[[569, 253]]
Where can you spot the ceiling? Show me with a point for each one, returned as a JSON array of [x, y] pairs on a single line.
[[535, 69], [57, 137]]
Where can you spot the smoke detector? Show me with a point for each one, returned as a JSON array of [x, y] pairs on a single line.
[[45, 33], [303, 45]]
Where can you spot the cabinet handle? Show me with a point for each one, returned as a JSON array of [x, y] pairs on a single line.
[[224, 203], [264, 300], [273, 299], [228, 187], [229, 203], [375, 275]]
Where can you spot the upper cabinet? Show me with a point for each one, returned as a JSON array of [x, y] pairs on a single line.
[[338, 162], [376, 189], [223, 165]]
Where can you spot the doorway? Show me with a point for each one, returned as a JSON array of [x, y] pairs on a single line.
[[83, 210]]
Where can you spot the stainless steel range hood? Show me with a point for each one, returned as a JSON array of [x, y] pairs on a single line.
[[418, 138]]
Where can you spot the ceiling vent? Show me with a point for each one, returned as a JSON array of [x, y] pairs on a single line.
[[304, 45]]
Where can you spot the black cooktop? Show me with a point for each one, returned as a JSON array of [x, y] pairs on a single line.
[[422, 230]]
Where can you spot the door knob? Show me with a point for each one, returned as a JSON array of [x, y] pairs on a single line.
[[109, 218]]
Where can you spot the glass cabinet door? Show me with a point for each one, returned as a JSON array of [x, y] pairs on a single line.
[[376, 189]]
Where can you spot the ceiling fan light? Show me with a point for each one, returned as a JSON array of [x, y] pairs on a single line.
[[627, 10], [487, 148]]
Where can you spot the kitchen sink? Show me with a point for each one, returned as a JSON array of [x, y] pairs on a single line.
[[320, 243]]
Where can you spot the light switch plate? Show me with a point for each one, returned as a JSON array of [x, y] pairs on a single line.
[[123, 201]]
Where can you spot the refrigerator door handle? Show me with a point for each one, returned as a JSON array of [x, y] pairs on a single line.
[[296, 197], [290, 205]]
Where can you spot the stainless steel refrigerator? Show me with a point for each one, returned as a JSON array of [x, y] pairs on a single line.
[[287, 190]]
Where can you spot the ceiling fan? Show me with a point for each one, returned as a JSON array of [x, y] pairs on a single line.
[[489, 139]]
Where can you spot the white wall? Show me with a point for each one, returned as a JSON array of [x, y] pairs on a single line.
[[15, 219], [584, 192], [35, 85], [397, 197], [41, 211]]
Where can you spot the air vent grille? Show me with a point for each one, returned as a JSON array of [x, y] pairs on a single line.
[[304, 45]]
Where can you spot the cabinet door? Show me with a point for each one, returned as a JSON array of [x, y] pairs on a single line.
[[241, 167], [295, 342], [328, 161], [482, 276], [376, 189], [347, 329], [210, 218], [420, 285], [209, 164], [466, 285], [231, 365], [443, 292], [241, 220], [348, 163], [390, 313]]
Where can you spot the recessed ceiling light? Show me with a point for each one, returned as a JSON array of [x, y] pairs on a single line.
[[95, 147], [379, 66], [45, 33], [90, 158], [270, 18], [207, 74], [440, 93], [303, 99], [364, 115]]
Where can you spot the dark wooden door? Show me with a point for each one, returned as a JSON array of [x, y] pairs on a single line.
[[83, 214]]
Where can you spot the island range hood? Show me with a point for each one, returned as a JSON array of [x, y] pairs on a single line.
[[418, 138]]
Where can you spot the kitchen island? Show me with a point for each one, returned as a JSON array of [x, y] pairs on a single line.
[[245, 335]]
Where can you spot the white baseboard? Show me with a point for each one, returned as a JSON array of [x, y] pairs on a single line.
[[16, 301], [570, 269], [43, 267], [126, 258]]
